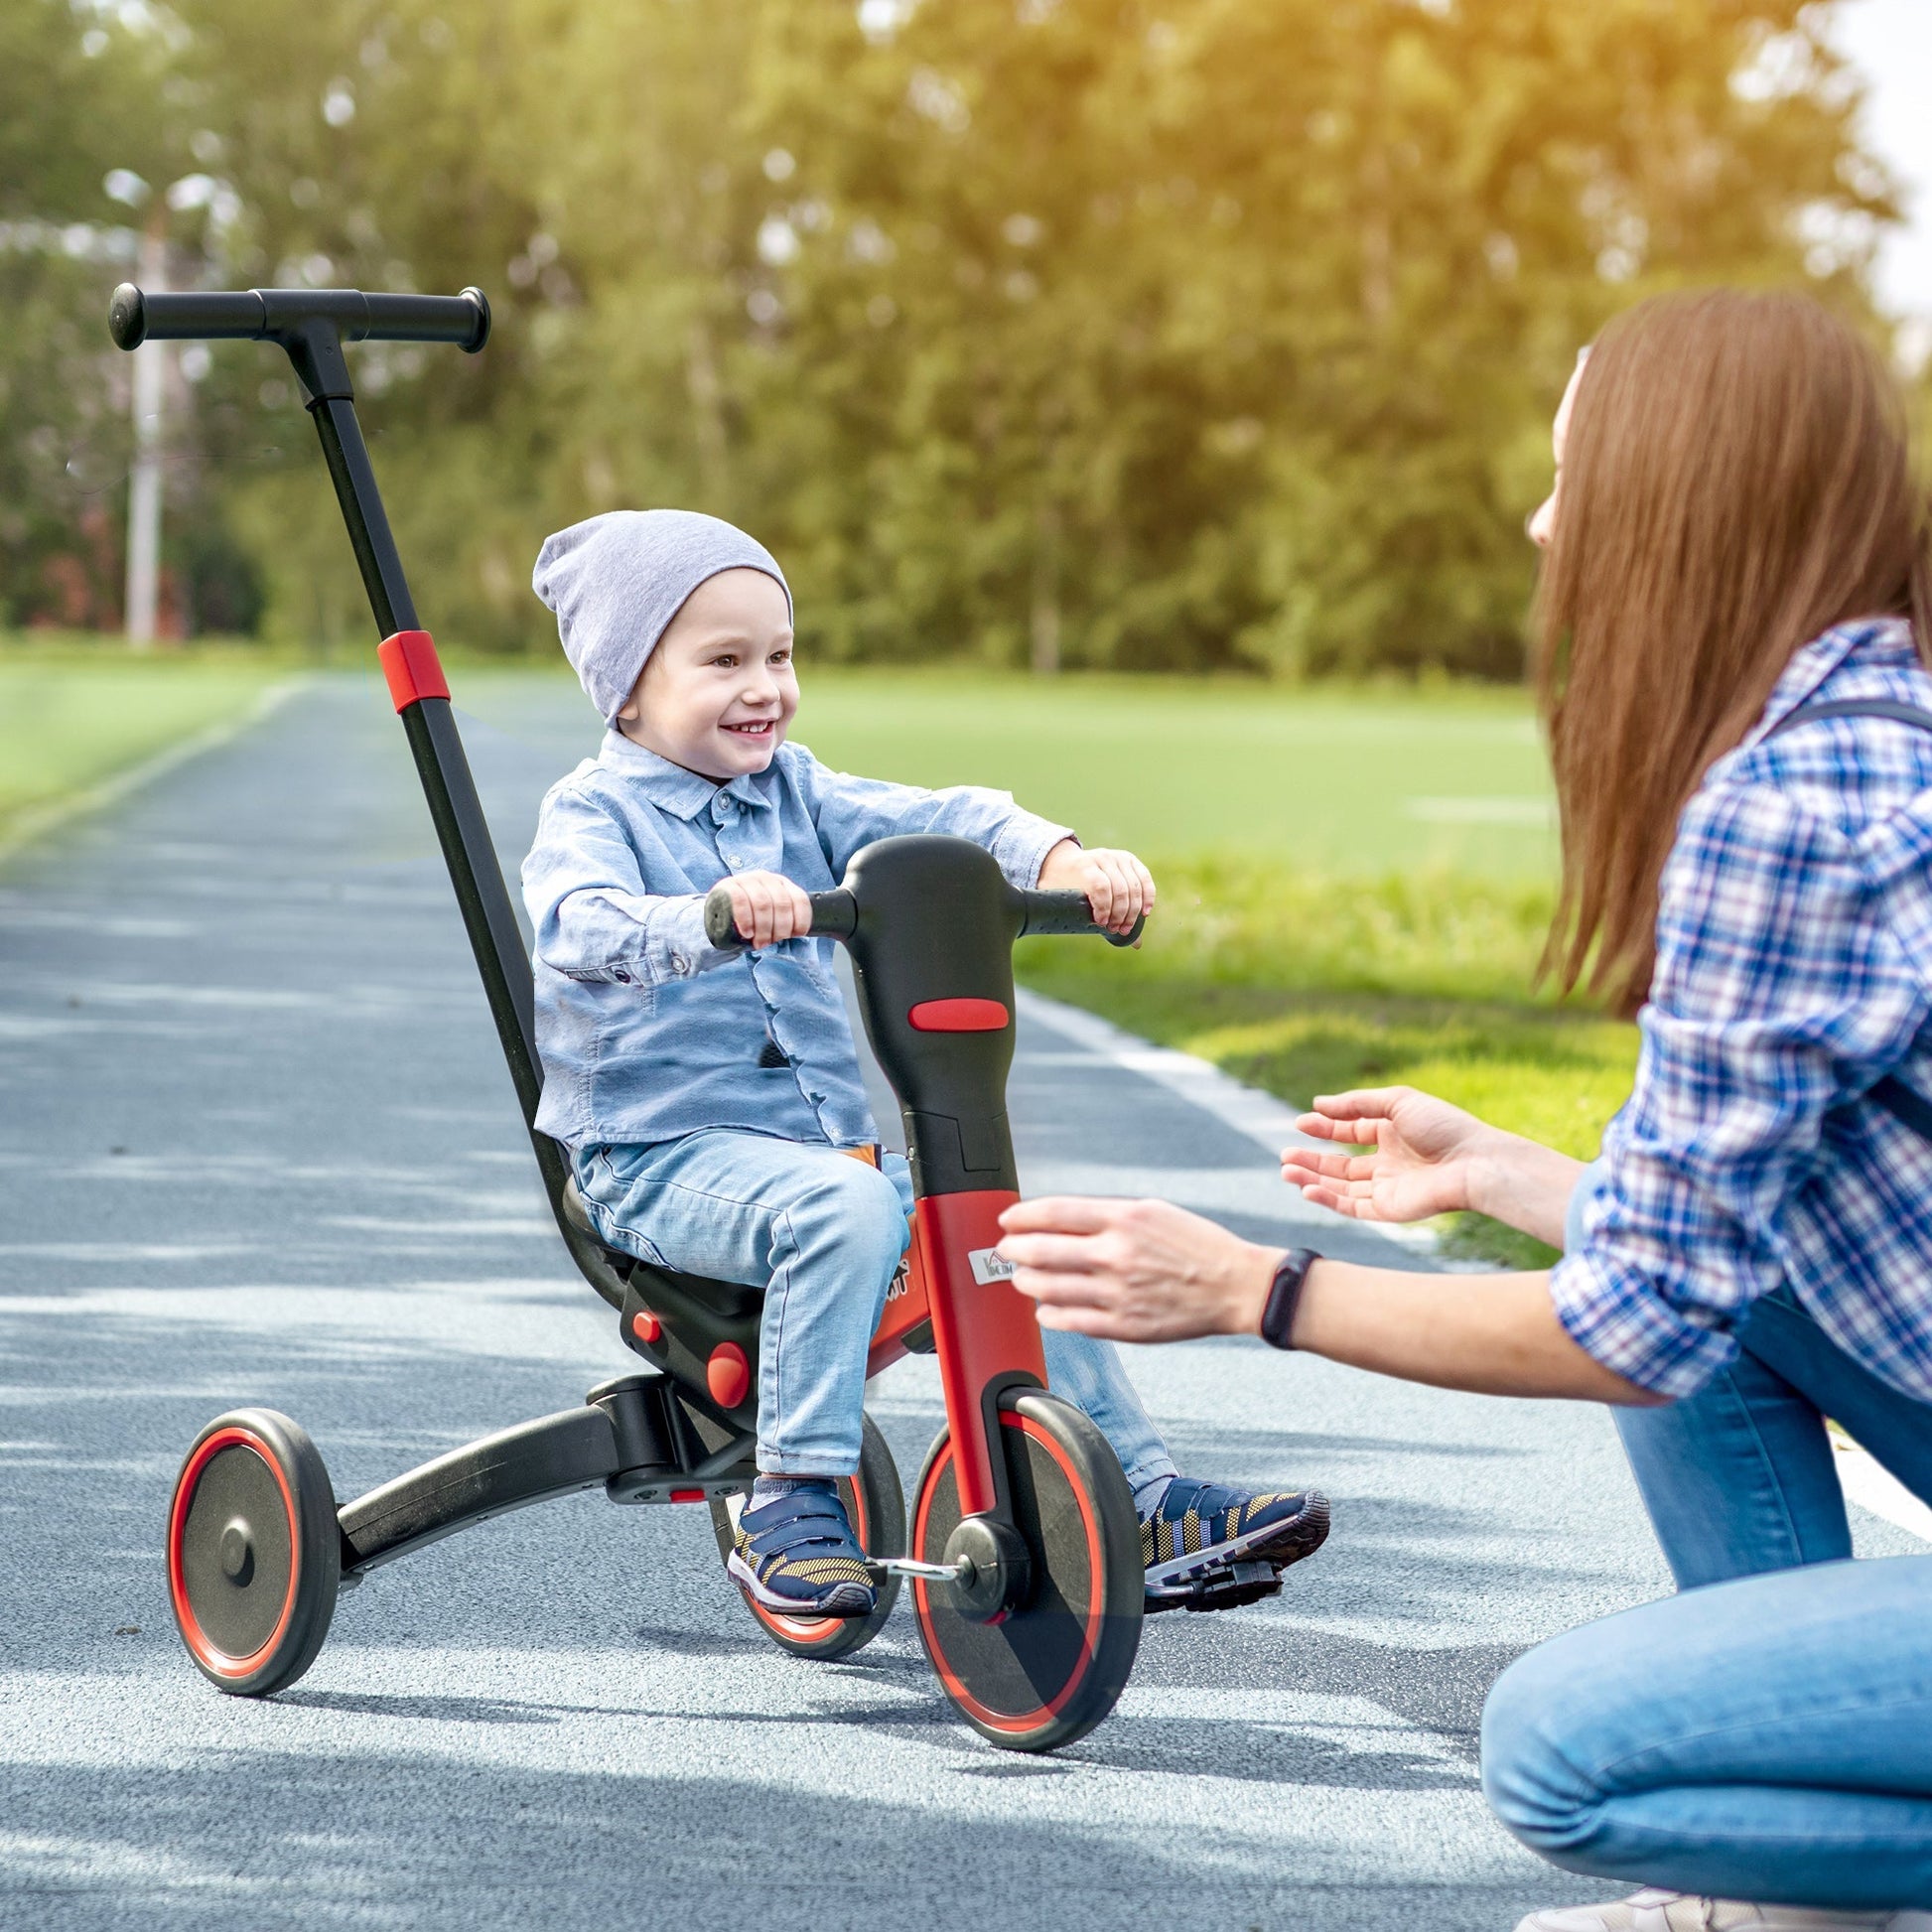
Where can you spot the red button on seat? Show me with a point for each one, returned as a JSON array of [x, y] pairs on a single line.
[[645, 1325], [728, 1375], [959, 1016]]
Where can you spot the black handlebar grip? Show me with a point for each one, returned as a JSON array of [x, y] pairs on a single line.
[[1068, 916], [461, 319], [720, 923], [835, 915], [135, 317]]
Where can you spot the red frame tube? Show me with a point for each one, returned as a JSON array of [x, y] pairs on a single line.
[[985, 1331]]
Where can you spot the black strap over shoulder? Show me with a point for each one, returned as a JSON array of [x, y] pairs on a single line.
[[1911, 1109], [1815, 714]]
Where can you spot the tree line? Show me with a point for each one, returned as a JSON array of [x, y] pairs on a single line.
[[1188, 335]]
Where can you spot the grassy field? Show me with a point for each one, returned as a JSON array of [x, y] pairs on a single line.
[[1354, 884], [70, 719], [1304, 983], [1356, 782]]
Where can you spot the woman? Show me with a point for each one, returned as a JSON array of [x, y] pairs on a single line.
[[1734, 535]]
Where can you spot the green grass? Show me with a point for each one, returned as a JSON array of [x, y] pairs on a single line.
[[1357, 781], [1553, 1073], [73, 716]]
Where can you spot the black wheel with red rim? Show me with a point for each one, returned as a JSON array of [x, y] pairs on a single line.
[[876, 1506], [254, 1554], [1051, 1668]]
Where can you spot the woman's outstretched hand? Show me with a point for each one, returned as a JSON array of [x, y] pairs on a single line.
[[1427, 1158], [1135, 1270], [1420, 1162]]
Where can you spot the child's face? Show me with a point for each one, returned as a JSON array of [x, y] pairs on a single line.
[[717, 694]]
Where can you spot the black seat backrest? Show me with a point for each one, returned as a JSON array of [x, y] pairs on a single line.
[[1910, 1108]]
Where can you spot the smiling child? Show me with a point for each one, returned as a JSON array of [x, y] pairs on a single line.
[[710, 1100]]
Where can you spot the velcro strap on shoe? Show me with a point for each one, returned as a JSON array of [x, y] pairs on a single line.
[[814, 1519]]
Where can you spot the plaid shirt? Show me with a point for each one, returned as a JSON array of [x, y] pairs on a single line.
[[1794, 970]]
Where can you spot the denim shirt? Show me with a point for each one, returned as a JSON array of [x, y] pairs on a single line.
[[645, 1030]]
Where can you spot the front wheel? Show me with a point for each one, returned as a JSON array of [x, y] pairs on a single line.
[[876, 1508], [254, 1552], [1055, 1667]]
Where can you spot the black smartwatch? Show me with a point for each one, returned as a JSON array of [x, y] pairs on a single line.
[[1277, 1315]]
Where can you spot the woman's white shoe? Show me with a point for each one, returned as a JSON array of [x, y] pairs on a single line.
[[1652, 1910]]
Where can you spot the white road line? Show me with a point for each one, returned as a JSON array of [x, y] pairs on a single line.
[[1868, 1483]]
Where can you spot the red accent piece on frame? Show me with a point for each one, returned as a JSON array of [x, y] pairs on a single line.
[[414, 671], [728, 1375], [645, 1325], [687, 1495], [980, 1329], [959, 1016], [905, 1308]]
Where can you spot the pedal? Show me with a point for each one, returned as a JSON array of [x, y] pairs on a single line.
[[1221, 1589]]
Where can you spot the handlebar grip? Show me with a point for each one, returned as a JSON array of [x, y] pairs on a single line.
[[835, 915], [461, 319], [1066, 915], [135, 316]]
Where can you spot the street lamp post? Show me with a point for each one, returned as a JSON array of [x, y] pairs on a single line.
[[144, 482]]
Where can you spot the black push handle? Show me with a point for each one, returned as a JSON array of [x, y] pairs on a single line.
[[281, 314], [1067, 914], [835, 915]]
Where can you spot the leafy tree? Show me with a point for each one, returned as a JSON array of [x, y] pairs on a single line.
[[1141, 334], [1225, 331]]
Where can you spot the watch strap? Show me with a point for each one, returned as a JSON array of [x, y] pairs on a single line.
[[1284, 1295]]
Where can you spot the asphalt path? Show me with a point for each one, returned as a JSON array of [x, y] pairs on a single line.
[[258, 1147]]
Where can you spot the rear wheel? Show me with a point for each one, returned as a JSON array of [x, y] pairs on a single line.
[[254, 1552], [876, 1508], [1055, 1667]]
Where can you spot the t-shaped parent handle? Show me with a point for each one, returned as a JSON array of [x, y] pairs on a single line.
[[309, 323]]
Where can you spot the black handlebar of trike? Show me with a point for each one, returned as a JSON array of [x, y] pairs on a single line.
[[835, 915], [276, 315], [1068, 916]]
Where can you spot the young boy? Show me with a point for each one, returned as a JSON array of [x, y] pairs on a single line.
[[705, 1096]]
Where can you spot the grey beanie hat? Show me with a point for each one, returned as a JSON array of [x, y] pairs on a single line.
[[617, 580]]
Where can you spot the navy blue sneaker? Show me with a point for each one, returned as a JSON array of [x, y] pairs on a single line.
[[1207, 1546], [796, 1555]]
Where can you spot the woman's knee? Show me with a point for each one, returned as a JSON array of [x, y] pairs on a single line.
[[1534, 1753]]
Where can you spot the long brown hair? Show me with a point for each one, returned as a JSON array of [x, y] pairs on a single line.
[[1736, 481]]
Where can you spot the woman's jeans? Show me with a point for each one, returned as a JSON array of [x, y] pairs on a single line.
[[1770, 1737], [822, 1234]]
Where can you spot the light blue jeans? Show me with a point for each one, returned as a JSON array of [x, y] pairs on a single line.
[[1767, 1739], [822, 1234], [1767, 1734]]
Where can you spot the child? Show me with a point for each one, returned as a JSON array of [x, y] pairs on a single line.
[[705, 1096]]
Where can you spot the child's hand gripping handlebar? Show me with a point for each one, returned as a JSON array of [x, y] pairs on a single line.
[[835, 915], [1067, 914]]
